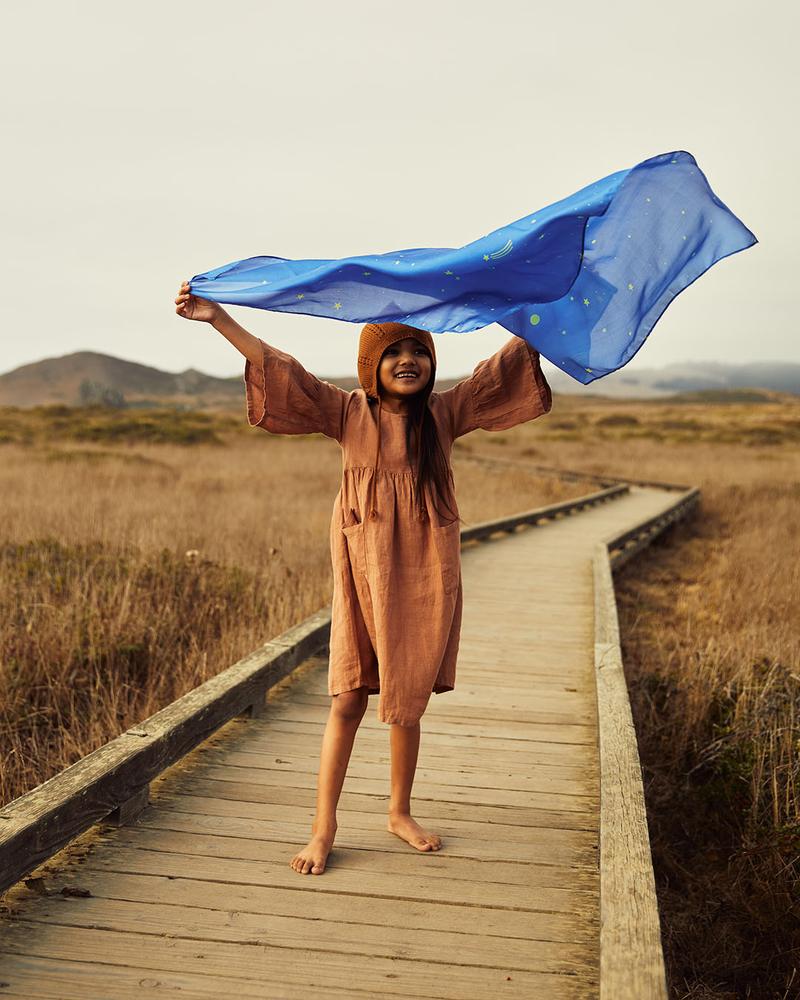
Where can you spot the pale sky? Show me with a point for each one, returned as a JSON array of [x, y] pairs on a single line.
[[147, 143]]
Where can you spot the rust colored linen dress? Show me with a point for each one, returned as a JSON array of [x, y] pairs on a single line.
[[397, 593]]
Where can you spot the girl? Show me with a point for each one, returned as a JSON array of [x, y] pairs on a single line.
[[394, 535]]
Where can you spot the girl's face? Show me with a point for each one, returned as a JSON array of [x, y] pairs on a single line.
[[404, 356]]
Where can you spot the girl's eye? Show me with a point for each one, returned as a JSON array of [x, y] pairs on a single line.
[[393, 350]]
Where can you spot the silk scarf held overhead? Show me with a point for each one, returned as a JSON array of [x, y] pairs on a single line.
[[583, 280]]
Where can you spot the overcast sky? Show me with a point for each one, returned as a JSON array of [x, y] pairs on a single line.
[[148, 142]]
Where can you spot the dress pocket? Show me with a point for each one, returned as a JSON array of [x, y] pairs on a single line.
[[354, 534], [447, 538]]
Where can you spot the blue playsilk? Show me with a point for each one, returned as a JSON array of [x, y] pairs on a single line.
[[583, 280]]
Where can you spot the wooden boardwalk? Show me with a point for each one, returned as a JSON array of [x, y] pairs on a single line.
[[198, 897]]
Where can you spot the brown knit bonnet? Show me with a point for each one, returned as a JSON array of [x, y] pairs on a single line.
[[375, 338]]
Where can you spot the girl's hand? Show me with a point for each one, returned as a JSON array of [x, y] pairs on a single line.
[[191, 307]]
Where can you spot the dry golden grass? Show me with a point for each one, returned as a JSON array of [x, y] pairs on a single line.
[[106, 618]]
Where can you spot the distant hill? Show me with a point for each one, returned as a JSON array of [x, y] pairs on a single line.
[[89, 377], [714, 378]]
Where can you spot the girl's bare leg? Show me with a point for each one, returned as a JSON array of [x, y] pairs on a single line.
[[405, 750], [347, 711]]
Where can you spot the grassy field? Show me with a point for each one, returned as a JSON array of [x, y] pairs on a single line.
[[142, 553]]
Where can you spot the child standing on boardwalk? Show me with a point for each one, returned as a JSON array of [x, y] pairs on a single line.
[[394, 535]]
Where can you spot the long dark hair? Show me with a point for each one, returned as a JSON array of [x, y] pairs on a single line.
[[432, 469]]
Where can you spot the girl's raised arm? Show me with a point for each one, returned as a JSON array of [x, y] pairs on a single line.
[[504, 390], [282, 396]]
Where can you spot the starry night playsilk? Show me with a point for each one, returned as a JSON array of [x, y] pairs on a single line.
[[583, 280]]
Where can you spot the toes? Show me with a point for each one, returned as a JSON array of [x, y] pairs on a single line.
[[318, 868]]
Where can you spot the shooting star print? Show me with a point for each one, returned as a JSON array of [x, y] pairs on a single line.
[[509, 246]]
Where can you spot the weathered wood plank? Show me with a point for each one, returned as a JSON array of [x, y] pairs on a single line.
[[243, 966], [298, 932], [457, 739], [544, 739], [486, 758], [555, 731], [556, 843], [222, 872], [430, 784], [559, 812], [291, 828], [377, 859], [258, 902], [301, 767], [41, 978]]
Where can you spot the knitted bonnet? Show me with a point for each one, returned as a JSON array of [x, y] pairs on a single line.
[[375, 338]]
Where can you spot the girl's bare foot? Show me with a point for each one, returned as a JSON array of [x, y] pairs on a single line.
[[313, 856], [409, 830]]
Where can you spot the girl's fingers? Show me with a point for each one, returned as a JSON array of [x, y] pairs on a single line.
[[183, 297]]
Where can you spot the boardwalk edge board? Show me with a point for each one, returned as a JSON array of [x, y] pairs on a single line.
[[631, 954]]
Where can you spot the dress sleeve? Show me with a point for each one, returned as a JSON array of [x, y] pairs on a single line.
[[285, 398], [504, 390]]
